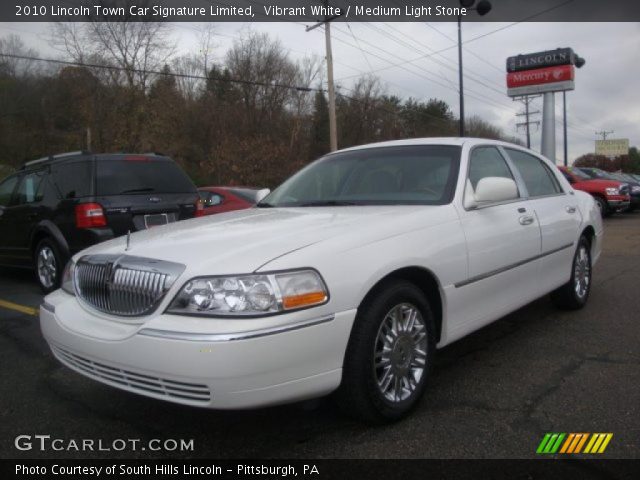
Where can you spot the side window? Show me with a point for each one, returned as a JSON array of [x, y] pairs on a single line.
[[215, 199], [6, 189], [29, 190], [535, 174], [73, 180], [487, 162]]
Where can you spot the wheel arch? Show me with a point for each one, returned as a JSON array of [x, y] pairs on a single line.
[[48, 229], [426, 281]]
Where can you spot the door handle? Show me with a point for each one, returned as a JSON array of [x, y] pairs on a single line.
[[526, 219], [570, 209]]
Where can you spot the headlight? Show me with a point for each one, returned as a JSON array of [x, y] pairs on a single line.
[[612, 191], [250, 295], [67, 278]]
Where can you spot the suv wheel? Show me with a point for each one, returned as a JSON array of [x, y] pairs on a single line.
[[48, 263], [390, 353], [573, 295]]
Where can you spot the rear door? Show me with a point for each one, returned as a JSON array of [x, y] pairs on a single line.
[[143, 191], [23, 213], [503, 242], [557, 213], [7, 187]]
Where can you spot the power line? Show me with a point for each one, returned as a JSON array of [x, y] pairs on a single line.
[[166, 74]]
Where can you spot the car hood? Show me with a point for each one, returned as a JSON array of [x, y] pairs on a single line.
[[242, 241]]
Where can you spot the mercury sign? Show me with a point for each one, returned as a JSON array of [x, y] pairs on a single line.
[[613, 147], [540, 80]]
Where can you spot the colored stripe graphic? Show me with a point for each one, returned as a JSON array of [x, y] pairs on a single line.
[[573, 443]]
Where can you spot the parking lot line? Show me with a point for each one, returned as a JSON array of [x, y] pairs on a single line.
[[19, 308]]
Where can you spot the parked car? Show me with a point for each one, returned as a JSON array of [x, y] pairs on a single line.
[[58, 205], [227, 199], [610, 195], [347, 277], [634, 185]]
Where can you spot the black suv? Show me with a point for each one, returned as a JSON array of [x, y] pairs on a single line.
[[56, 206]]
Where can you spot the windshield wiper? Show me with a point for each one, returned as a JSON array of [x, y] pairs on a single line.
[[138, 190], [264, 205], [327, 203]]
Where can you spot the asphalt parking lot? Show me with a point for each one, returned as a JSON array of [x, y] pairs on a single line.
[[493, 394]]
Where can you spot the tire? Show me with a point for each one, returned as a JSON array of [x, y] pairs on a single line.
[[48, 264], [602, 205], [574, 294], [404, 355]]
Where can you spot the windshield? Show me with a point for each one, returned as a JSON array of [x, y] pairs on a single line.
[[403, 175], [579, 173], [597, 173]]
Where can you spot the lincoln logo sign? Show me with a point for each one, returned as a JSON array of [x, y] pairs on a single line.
[[551, 71]]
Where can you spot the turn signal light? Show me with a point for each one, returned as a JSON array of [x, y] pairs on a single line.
[[303, 300], [89, 215]]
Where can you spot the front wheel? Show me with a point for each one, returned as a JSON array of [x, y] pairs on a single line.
[[390, 353], [573, 295]]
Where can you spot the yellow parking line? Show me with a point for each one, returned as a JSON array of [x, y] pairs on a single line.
[[19, 308]]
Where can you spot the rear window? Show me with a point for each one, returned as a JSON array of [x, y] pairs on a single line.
[[122, 176]]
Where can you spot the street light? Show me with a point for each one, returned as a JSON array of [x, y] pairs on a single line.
[[483, 8]]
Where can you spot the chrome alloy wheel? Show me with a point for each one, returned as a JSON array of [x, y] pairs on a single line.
[[582, 272], [47, 268], [400, 353]]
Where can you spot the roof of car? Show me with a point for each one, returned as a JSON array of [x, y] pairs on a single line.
[[459, 141], [73, 155]]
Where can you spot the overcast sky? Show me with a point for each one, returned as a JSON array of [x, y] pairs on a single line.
[[606, 97]]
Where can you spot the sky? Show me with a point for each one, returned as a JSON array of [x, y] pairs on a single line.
[[606, 95]]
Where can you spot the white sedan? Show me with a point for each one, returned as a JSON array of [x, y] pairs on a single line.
[[346, 278]]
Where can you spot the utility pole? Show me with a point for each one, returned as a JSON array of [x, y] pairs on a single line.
[[526, 100], [605, 134], [333, 127]]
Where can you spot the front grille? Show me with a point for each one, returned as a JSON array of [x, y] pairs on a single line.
[[140, 383], [124, 285]]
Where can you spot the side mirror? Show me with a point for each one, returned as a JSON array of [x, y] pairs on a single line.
[[262, 194], [493, 190]]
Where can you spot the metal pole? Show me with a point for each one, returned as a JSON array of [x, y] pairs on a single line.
[[548, 147], [564, 127], [461, 132], [333, 128], [526, 110]]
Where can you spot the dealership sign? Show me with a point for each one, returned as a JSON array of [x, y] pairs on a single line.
[[549, 79], [613, 147], [548, 58], [548, 71]]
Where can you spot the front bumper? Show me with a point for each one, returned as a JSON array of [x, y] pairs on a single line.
[[211, 370], [618, 202]]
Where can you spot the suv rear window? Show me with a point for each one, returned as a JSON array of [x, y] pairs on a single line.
[[73, 179], [122, 176]]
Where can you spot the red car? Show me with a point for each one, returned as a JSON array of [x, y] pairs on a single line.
[[610, 195], [225, 199]]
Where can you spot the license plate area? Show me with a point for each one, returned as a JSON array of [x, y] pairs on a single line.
[[155, 220]]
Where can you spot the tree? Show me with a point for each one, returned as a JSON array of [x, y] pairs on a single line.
[[319, 141]]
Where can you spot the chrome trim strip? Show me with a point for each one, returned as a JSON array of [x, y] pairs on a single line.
[[492, 273], [229, 337], [48, 307]]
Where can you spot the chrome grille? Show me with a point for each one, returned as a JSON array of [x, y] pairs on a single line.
[[124, 285], [129, 380]]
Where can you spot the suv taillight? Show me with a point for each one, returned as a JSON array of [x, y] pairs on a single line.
[[199, 208], [90, 215]]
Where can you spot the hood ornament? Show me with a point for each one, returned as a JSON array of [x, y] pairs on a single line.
[[128, 240]]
